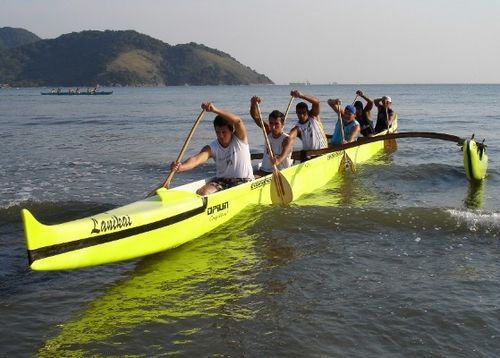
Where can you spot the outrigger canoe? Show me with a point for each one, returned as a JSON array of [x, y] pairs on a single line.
[[175, 216], [171, 217], [101, 93]]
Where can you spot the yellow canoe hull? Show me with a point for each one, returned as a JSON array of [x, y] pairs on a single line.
[[169, 218]]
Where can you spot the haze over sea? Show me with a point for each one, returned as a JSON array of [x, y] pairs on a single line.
[[399, 259]]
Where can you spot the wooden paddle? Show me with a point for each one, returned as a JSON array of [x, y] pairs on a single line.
[[341, 124], [387, 117], [288, 108], [167, 181], [281, 191], [345, 162]]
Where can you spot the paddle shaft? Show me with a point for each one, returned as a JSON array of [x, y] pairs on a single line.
[[341, 126], [266, 139], [277, 177], [387, 116], [167, 181], [288, 108]]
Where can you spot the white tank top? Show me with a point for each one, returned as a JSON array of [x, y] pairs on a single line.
[[234, 161], [312, 134], [277, 147]]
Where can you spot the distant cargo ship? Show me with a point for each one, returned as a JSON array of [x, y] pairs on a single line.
[[307, 83]]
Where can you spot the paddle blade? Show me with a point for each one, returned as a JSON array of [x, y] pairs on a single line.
[[346, 163], [390, 145], [281, 191]]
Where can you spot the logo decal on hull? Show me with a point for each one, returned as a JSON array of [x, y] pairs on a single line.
[[260, 183], [216, 208], [113, 223]]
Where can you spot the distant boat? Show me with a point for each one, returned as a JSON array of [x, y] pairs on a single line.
[[307, 83], [102, 93]]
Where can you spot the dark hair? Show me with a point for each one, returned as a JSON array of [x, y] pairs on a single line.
[[358, 105], [301, 105], [221, 122], [277, 115]]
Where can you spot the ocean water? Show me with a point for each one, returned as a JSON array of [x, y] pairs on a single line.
[[397, 259]]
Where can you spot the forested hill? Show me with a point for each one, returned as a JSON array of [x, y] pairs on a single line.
[[123, 58], [11, 37]]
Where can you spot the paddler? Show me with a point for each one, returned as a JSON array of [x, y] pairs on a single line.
[[277, 138], [230, 151], [385, 115], [349, 125], [309, 127], [364, 115]]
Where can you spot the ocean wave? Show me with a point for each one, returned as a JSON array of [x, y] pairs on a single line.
[[365, 219], [477, 220], [51, 212]]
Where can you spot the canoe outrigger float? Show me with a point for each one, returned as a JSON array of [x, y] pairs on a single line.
[[175, 216]]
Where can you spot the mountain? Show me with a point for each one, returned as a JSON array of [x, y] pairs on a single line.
[[123, 58], [11, 37]]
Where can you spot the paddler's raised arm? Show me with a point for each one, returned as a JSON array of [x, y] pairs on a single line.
[[239, 127], [336, 105], [254, 113], [315, 103]]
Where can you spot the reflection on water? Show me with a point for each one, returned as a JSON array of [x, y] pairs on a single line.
[[349, 188], [475, 195], [204, 278]]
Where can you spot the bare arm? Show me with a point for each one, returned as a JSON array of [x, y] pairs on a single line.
[[193, 161], [254, 112], [354, 134], [335, 104], [391, 118], [287, 145], [239, 127], [286, 149], [369, 102], [315, 104]]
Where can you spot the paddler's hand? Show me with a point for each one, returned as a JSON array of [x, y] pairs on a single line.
[[255, 100], [359, 93], [295, 94], [175, 167], [335, 103], [208, 106]]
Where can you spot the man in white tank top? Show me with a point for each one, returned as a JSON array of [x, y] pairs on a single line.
[[309, 127], [278, 140], [230, 152]]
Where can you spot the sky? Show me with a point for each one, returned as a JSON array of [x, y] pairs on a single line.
[[320, 41]]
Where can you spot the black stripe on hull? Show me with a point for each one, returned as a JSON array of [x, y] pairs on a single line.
[[58, 249], [469, 160]]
